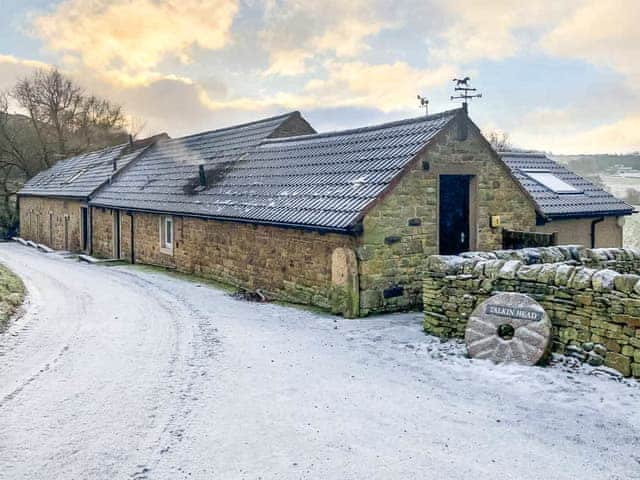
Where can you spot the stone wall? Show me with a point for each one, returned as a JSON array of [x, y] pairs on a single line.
[[102, 224], [287, 264], [622, 260], [589, 307], [103, 231], [43, 220], [125, 236], [402, 230]]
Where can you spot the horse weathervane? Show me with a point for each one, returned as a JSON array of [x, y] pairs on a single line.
[[424, 103], [464, 91]]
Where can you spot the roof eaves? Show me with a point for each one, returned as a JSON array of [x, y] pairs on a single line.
[[319, 228], [53, 195], [591, 214]]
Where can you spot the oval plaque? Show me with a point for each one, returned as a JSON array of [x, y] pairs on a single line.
[[509, 327]]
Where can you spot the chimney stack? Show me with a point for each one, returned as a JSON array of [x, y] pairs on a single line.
[[131, 142]]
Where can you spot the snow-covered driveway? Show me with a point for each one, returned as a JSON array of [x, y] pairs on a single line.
[[116, 372]]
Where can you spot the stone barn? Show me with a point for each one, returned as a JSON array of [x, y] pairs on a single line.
[[53, 205], [341, 220]]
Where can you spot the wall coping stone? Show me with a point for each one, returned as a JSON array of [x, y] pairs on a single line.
[[533, 265]]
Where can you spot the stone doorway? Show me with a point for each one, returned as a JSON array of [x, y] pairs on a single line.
[[454, 214]]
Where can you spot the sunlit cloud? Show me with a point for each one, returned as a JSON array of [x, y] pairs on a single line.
[[13, 68], [615, 137], [491, 30], [297, 30], [387, 87], [288, 62], [384, 86], [601, 33], [128, 39], [190, 65]]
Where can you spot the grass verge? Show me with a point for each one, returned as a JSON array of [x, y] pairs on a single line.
[[11, 295]]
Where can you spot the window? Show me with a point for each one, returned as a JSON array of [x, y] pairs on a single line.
[[74, 177], [550, 181], [166, 235]]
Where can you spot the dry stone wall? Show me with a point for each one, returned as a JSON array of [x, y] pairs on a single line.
[[595, 312]]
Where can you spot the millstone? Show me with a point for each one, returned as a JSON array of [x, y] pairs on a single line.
[[509, 327]]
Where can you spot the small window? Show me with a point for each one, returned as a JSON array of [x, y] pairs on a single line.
[[551, 181], [74, 177], [166, 234]]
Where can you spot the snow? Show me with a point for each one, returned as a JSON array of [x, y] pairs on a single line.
[[118, 372], [358, 182]]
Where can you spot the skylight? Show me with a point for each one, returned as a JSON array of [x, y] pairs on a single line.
[[550, 181], [74, 177]]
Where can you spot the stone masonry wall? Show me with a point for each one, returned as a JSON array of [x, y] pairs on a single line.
[[286, 264], [402, 230], [125, 236], [587, 306], [102, 224], [42, 220]]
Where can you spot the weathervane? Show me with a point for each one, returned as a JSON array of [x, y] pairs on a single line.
[[465, 91], [424, 103]]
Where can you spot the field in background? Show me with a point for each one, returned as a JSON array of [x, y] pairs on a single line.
[[632, 230], [618, 185]]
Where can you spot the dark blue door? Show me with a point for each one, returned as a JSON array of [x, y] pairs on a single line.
[[454, 214]]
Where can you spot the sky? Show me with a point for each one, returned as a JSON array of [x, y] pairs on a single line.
[[562, 77]]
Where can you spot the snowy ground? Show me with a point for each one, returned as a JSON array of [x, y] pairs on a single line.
[[115, 372]]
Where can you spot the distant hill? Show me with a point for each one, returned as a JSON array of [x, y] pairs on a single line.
[[597, 164]]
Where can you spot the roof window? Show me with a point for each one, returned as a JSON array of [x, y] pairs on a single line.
[[75, 176], [551, 181]]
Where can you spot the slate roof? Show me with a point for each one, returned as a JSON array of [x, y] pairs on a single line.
[[323, 181], [589, 202], [81, 175]]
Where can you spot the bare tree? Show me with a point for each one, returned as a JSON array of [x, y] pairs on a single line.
[[59, 120], [499, 141]]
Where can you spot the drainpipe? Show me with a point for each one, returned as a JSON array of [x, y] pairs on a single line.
[[133, 256], [593, 230]]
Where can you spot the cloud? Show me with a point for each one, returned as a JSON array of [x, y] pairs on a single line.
[[129, 38], [618, 136], [288, 62], [601, 33], [13, 68], [387, 87], [492, 28], [298, 30]]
